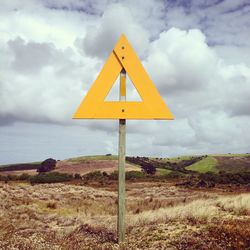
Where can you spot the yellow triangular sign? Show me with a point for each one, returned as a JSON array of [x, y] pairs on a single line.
[[94, 105]]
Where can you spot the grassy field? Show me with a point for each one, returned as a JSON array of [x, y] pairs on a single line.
[[177, 159], [163, 172], [92, 157], [208, 164], [159, 216], [161, 212]]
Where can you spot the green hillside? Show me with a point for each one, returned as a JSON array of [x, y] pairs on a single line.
[[230, 163], [93, 157], [208, 164]]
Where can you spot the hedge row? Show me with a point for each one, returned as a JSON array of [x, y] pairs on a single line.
[[226, 178], [51, 177], [98, 175]]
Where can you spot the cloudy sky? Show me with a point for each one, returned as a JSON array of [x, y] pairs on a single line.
[[195, 51]]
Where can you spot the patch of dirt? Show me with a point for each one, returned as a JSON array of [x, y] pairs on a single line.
[[85, 167]]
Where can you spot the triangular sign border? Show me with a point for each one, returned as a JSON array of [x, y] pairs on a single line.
[[94, 105]]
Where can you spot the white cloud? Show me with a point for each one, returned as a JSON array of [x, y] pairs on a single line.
[[52, 51], [116, 20], [181, 60], [40, 83]]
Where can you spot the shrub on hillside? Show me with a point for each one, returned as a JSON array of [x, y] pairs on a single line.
[[77, 176], [98, 175], [4, 178], [9, 177], [23, 177], [51, 177], [47, 165], [132, 175], [226, 178], [95, 175], [12, 177], [105, 174], [148, 168], [113, 175]]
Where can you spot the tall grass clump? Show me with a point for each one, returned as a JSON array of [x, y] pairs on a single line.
[[239, 205], [199, 210], [195, 211]]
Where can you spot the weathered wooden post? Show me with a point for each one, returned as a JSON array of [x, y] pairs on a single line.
[[123, 60], [121, 164]]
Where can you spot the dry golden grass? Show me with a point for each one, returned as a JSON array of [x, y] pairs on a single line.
[[66, 216], [199, 210], [240, 204]]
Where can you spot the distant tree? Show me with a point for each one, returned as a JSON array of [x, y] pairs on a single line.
[[77, 176], [47, 165], [148, 168], [105, 174]]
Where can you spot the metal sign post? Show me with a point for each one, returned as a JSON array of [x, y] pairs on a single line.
[[121, 164]]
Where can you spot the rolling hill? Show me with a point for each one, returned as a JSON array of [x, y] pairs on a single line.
[[230, 163]]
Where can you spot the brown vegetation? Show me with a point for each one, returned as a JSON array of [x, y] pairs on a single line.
[[159, 216], [234, 163], [177, 209]]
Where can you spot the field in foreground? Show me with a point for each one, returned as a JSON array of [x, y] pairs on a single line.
[[191, 202], [160, 215]]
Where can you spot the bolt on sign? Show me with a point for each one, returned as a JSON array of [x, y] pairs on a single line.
[[123, 60]]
